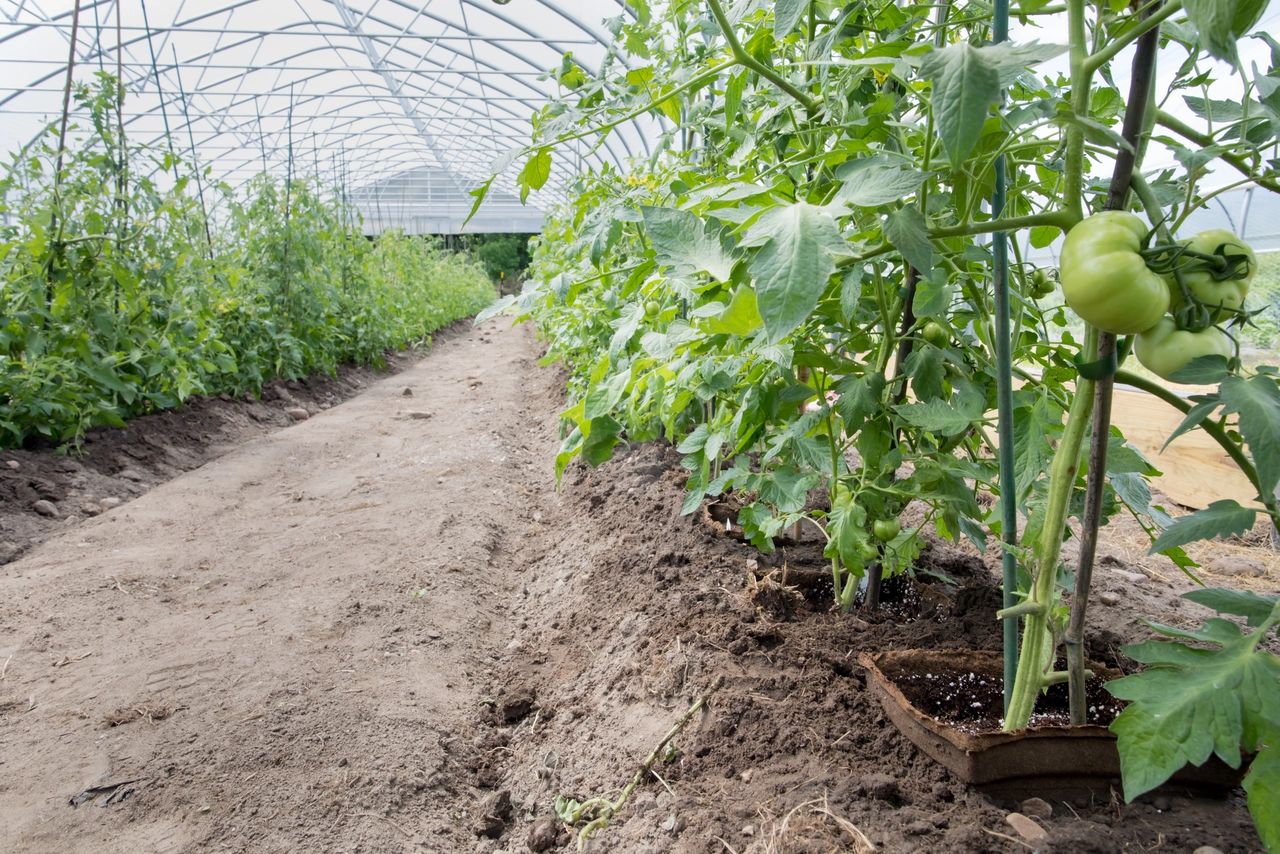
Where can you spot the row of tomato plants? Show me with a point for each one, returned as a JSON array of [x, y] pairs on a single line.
[[121, 295], [808, 286]]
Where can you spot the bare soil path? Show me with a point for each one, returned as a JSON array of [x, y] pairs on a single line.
[[284, 648]]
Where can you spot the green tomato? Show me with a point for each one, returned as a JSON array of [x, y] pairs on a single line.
[[1165, 349], [886, 529], [1041, 284], [936, 334], [1104, 278], [1222, 297], [651, 308]]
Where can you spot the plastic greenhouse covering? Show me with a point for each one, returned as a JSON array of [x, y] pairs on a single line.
[[406, 105]]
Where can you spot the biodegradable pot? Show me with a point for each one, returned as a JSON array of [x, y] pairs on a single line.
[[1056, 761]]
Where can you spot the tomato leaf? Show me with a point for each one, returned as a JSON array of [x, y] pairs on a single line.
[[534, 175], [905, 228], [740, 317], [1222, 23], [1254, 607], [1262, 785], [936, 416], [786, 14], [1222, 518], [683, 242], [792, 268], [869, 182], [964, 88], [1257, 402], [967, 81]]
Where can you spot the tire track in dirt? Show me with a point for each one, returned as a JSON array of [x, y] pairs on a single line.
[[294, 640]]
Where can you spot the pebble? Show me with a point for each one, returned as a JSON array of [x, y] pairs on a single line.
[[91, 508], [297, 413], [673, 824], [1206, 849], [13, 464], [46, 508], [1026, 827], [542, 837], [1129, 577], [110, 503], [1106, 597], [1036, 808], [882, 787], [494, 813]]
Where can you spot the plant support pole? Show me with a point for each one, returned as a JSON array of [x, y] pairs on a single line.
[[1004, 403], [1134, 127]]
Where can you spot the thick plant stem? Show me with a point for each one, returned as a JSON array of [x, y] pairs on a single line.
[[740, 53], [1073, 640], [1062, 478], [1080, 81], [1137, 123], [1035, 654], [1204, 140]]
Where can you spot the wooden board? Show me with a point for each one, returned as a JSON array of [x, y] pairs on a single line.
[[1195, 470]]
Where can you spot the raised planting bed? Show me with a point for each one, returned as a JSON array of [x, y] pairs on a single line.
[[949, 704]]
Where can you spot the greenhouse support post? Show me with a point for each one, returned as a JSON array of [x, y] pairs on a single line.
[[1004, 404]]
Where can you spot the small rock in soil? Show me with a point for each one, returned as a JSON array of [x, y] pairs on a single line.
[[543, 835], [1036, 808], [918, 828], [1106, 597], [131, 474], [91, 508], [13, 464], [882, 787], [1206, 849], [110, 503], [516, 706], [1129, 577], [297, 413], [673, 824], [1025, 827], [46, 508], [1236, 565], [408, 392], [495, 812]]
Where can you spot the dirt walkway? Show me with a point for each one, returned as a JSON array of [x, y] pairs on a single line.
[[284, 648]]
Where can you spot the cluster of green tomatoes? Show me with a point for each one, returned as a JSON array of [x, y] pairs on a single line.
[[1174, 298]]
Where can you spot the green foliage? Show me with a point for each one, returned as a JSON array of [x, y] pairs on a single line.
[[1209, 691], [118, 296], [503, 256]]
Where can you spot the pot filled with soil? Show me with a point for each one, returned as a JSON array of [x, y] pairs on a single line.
[[949, 703]]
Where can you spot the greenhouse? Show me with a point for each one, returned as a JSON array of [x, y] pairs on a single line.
[[650, 425]]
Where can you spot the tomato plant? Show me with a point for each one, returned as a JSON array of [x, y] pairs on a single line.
[[831, 179], [116, 303]]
